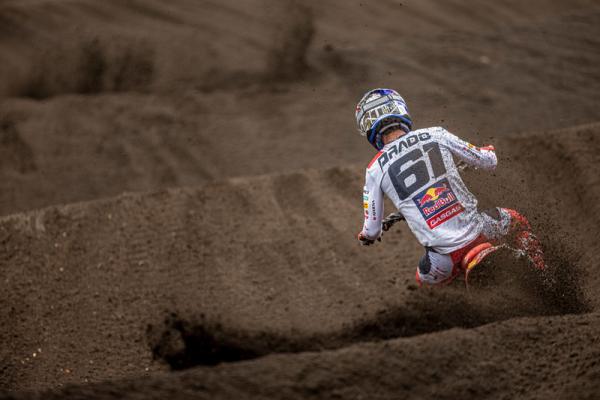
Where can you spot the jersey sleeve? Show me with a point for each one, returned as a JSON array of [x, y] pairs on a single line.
[[478, 157], [372, 206]]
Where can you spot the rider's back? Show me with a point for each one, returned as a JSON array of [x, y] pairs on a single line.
[[418, 173]]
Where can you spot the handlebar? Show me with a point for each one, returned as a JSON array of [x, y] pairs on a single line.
[[391, 219], [461, 165]]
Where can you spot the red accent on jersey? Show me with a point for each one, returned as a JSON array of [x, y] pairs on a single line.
[[374, 159]]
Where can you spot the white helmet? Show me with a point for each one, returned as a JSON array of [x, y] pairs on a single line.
[[380, 110]]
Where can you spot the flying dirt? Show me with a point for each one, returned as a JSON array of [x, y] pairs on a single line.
[[180, 192]]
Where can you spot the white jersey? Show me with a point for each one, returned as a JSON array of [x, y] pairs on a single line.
[[417, 172]]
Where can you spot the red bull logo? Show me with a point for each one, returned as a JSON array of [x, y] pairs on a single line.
[[438, 203], [432, 194]]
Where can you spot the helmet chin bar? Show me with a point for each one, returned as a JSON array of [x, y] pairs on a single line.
[[376, 140]]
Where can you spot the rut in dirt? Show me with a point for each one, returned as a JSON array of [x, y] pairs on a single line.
[[188, 341]]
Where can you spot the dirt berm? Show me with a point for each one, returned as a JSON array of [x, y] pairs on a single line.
[[109, 96], [121, 291]]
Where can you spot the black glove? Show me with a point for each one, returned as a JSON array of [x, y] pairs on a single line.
[[390, 220]]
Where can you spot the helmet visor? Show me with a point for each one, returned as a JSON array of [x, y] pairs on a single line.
[[375, 111]]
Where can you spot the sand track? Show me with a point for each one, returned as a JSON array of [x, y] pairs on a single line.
[[270, 261], [530, 358], [212, 145]]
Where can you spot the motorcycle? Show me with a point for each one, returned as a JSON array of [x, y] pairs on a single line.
[[487, 264]]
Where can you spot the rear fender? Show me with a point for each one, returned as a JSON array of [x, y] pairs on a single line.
[[475, 256]]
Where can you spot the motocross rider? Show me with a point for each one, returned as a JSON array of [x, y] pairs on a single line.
[[417, 171]]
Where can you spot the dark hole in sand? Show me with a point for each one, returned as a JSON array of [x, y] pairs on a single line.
[[185, 342]]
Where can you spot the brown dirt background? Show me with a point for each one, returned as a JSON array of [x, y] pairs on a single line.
[[230, 126]]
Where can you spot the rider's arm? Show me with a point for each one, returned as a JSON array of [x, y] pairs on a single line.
[[478, 157], [372, 207]]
